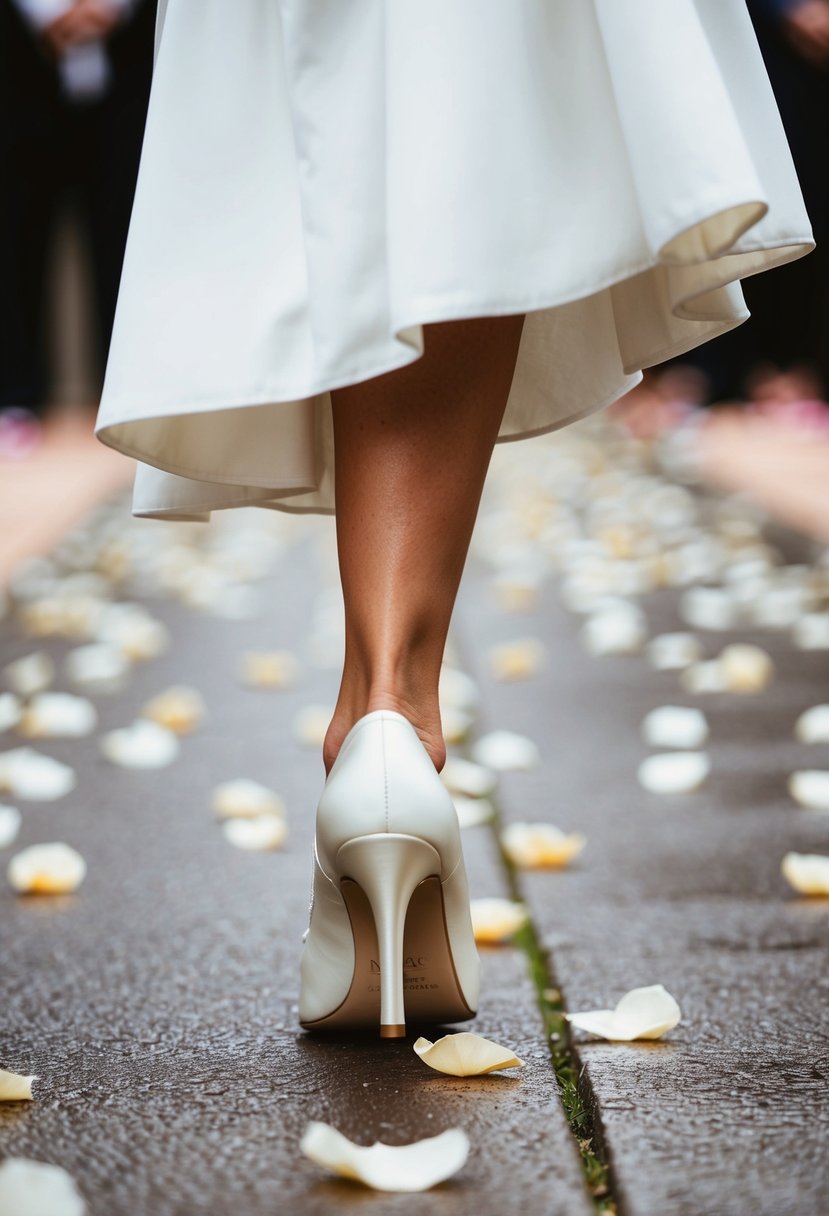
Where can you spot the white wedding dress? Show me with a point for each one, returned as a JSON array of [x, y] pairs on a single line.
[[321, 178]]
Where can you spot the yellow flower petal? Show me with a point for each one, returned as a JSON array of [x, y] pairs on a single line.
[[14, 1087], [746, 669], [808, 873], [534, 846], [179, 709], [466, 1055], [46, 869], [517, 660], [269, 668], [642, 1013], [385, 1167], [495, 920]]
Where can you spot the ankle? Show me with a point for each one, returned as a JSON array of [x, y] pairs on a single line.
[[422, 711]]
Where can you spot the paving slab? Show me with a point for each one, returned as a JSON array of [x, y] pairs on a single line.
[[729, 1113], [158, 1003]]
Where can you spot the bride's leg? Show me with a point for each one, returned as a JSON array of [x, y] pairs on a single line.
[[411, 452]]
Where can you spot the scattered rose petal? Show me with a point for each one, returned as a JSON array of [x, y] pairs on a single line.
[[517, 592], [14, 1087], [673, 651], [145, 744], [29, 774], [504, 751], [58, 715], [311, 724], [455, 724], [810, 787], [674, 772], [674, 726], [34, 1188], [465, 777], [538, 846], [518, 660], [465, 1055], [10, 820], [813, 725], [269, 669], [246, 799], [642, 1013], [808, 873], [10, 710], [46, 869], [746, 669], [258, 832], [457, 690], [408, 1167], [811, 632], [99, 667], [704, 677], [619, 628], [495, 920], [137, 635], [472, 812], [179, 709], [33, 673], [709, 608]]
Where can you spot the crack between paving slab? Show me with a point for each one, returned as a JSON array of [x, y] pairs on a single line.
[[574, 1089]]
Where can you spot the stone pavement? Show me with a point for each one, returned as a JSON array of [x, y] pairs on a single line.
[[158, 1003]]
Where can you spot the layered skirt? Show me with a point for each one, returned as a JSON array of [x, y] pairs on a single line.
[[320, 179]]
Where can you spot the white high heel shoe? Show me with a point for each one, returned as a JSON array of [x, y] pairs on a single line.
[[390, 933]]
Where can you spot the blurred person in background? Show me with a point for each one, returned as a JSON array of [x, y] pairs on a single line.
[[74, 86]]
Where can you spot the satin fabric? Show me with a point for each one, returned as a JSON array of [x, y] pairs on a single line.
[[321, 178]]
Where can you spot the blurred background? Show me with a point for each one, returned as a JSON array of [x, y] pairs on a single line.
[[74, 85]]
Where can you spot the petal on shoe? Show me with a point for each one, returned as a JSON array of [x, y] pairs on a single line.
[[642, 1013], [33, 1188], [807, 873], [260, 832], [14, 1087], [537, 846], [46, 869], [385, 1167], [495, 920], [466, 1055]]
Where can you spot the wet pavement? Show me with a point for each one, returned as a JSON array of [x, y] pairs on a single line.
[[158, 1003]]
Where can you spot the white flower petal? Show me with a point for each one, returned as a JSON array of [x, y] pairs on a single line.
[[99, 667], [813, 725], [704, 677], [15, 1088], [808, 873], [642, 1013], [311, 724], [34, 1188], [29, 774], [709, 608], [674, 772], [259, 832], [179, 709], [618, 629], [33, 673], [466, 1055], [10, 820], [746, 669], [472, 812], [10, 710], [465, 777], [811, 631], [145, 744], [455, 724], [457, 690], [674, 726], [46, 869], [137, 634], [517, 660], [269, 669], [494, 920], [246, 799], [504, 751], [810, 787], [673, 651], [384, 1167], [538, 846], [58, 715]]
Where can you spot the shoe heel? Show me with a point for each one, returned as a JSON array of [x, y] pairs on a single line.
[[388, 867]]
